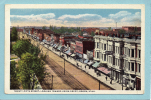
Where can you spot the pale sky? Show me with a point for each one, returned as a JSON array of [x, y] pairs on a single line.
[[76, 17]]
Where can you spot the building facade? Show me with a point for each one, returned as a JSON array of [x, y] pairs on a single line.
[[122, 56]]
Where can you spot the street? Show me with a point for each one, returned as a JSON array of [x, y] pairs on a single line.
[[74, 78]]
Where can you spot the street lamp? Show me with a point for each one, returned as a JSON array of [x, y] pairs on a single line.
[[64, 63]]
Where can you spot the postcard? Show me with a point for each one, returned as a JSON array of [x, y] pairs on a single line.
[[74, 48]]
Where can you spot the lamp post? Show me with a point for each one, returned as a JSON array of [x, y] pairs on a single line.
[[122, 72], [64, 63]]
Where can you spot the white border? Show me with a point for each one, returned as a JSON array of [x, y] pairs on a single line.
[[73, 6]]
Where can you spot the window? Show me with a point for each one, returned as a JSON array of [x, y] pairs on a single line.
[[97, 45], [97, 54], [139, 53], [132, 52], [129, 52], [129, 66], [132, 66], [116, 49], [104, 57], [104, 46], [118, 62], [139, 69]]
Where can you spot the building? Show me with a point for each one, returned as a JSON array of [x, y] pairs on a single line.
[[81, 48], [121, 54], [131, 29]]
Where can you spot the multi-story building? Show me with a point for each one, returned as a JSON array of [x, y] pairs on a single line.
[[119, 54], [82, 46]]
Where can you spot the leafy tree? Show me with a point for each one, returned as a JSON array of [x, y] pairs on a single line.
[[28, 67], [20, 47], [81, 33], [51, 27], [92, 33], [121, 31], [109, 28], [14, 84], [34, 50], [13, 35], [44, 28]]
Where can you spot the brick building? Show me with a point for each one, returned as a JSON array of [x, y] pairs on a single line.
[[131, 29], [81, 48]]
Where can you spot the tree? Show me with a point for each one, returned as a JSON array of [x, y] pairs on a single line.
[[28, 67], [109, 28], [92, 33], [121, 31], [21, 46], [34, 50], [44, 28], [14, 84], [81, 33], [13, 35]]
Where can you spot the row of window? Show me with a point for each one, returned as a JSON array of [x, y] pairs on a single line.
[[131, 52], [131, 66]]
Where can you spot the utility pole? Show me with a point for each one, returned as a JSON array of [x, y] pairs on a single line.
[[99, 84], [116, 25], [52, 81], [64, 66]]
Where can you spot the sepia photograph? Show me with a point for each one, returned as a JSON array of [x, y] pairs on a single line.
[[74, 49]]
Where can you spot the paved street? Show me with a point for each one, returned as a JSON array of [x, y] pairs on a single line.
[[74, 78]]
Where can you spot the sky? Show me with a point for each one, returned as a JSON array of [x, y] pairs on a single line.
[[76, 17]]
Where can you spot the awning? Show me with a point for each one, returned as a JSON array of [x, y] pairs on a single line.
[[59, 47], [86, 61], [89, 63], [73, 55], [67, 51], [54, 45], [101, 68], [104, 70], [96, 64]]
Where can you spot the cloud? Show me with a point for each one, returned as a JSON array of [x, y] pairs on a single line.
[[32, 17], [123, 18], [80, 17], [134, 19], [120, 14]]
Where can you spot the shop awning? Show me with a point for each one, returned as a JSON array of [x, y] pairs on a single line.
[[89, 63], [104, 70], [59, 47], [96, 64], [67, 51], [86, 61], [54, 45], [73, 55], [101, 68]]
